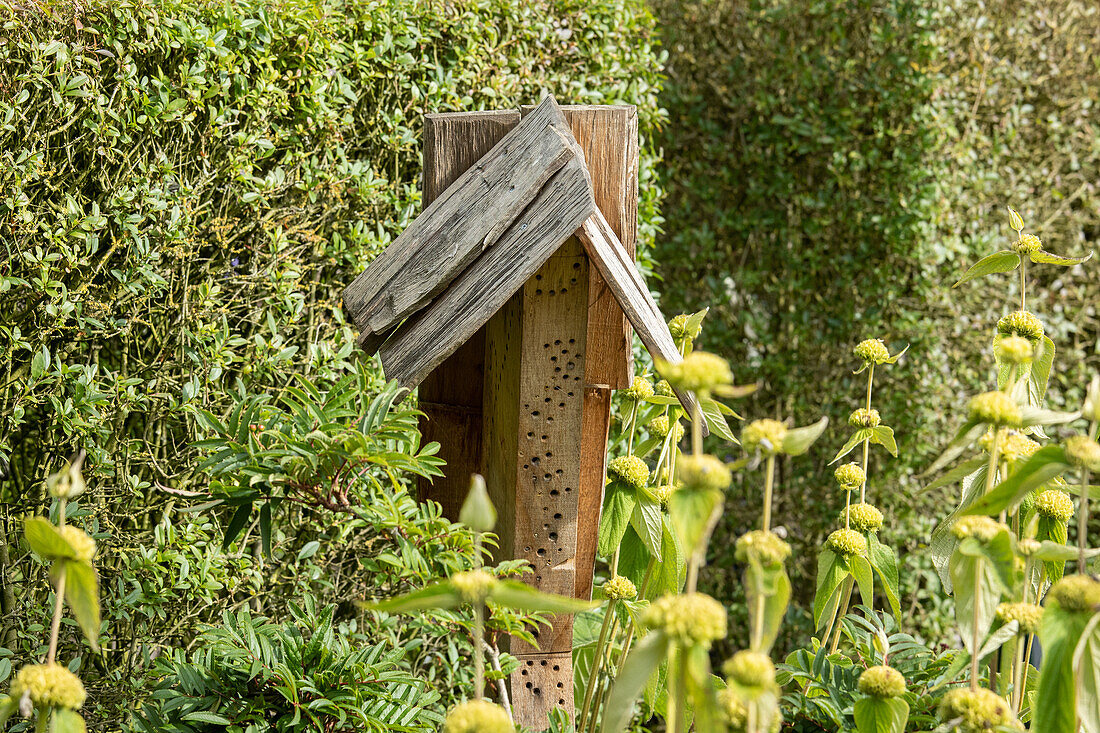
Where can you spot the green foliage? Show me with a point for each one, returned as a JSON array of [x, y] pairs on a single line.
[[308, 673]]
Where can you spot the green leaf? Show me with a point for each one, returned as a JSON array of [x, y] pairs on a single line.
[[1059, 634], [970, 431], [715, 420], [1039, 373], [1086, 666], [884, 436], [82, 594], [831, 572], [522, 597], [46, 541], [64, 720], [885, 563], [647, 521], [857, 437], [1049, 258], [265, 528], [798, 440], [977, 593], [957, 474], [641, 663], [9, 706], [1030, 415], [478, 512], [1058, 552], [205, 716], [881, 715], [1003, 261], [618, 505], [693, 513], [773, 586], [865, 578], [1051, 530], [236, 524], [441, 595], [670, 573], [1046, 463]]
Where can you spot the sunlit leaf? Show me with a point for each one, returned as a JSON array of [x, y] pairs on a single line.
[[643, 660], [798, 440], [857, 437], [522, 597], [1049, 258], [881, 715], [1003, 261], [1046, 463], [440, 595]]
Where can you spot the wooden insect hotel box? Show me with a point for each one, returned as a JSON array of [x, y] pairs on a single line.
[[509, 303]]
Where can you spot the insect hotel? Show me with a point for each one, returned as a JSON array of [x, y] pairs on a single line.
[[509, 303]]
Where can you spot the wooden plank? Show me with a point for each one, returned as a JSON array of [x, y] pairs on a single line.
[[593, 468], [451, 396], [466, 219], [423, 341], [607, 253], [541, 683]]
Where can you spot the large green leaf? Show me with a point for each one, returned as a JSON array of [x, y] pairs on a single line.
[[644, 659], [693, 511], [958, 473], [978, 590], [1086, 666], [798, 440], [46, 541], [1059, 633], [884, 435], [773, 586], [865, 578], [881, 715], [715, 420], [522, 597], [885, 563], [1043, 257], [671, 572], [1003, 261], [702, 690], [440, 595], [968, 432], [1055, 532], [82, 594], [1046, 463], [618, 505], [647, 521], [944, 541], [857, 437], [63, 720], [1039, 374], [832, 570]]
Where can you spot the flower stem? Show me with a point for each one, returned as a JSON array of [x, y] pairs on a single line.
[[59, 595], [769, 480], [867, 441], [1083, 511], [842, 611], [633, 428], [479, 653], [1023, 284], [597, 662]]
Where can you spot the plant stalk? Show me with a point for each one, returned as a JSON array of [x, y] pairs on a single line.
[[841, 614], [597, 663], [769, 480]]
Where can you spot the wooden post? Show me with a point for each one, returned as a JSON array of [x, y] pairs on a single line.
[[527, 401]]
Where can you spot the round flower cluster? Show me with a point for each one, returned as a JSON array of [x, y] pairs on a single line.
[[1015, 350], [979, 527], [750, 669], [478, 716], [628, 469], [473, 585], [978, 711], [995, 408], [862, 517], [847, 542], [703, 472], [872, 351], [850, 476], [1028, 615], [1076, 593], [664, 389], [620, 588], [663, 493], [1021, 323], [1012, 445], [699, 372], [640, 389], [1082, 451], [764, 435], [49, 686], [659, 426], [864, 418], [882, 681], [1054, 504], [82, 544], [767, 548], [1027, 243], [680, 326], [692, 618]]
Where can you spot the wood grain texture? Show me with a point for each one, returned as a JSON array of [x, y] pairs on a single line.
[[451, 396], [466, 219], [593, 468], [607, 253], [541, 683], [424, 340]]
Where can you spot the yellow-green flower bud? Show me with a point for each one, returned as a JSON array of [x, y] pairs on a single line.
[[1013, 445], [1021, 323], [641, 389], [862, 517], [750, 669], [628, 469], [1054, 504], [847, 542], [49, 686], [1028, 615], [995, 408], [68, 483], [681, 326], [1015, 350], [1083, 452], [478, 716], [864, 418], [702, 472], [981, 528], [882, 681], [767, 548], [872, 351], [473, 585], [978, 711], [663, 493], [765, 436], [82, 544], [699, 372], [1076, 593], [659, 426], [850, 476], [1028, 547], [664, 389], [1027, 244], [619, 588], [1090, 408], [692, 618]]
